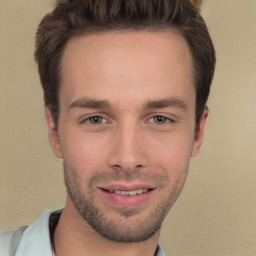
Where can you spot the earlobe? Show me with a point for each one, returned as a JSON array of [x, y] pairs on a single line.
[[53, 134], [199, 136]]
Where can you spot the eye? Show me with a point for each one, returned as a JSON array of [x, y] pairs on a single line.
[[160, 120], [95, 120]]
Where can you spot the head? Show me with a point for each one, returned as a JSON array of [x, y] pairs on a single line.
[[77, 18], [126, 85]]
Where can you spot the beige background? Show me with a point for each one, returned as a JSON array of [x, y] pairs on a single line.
[[215, 214]]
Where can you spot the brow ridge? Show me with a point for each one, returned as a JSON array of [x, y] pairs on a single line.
[[89, 103], [86, 102], [167, 102]]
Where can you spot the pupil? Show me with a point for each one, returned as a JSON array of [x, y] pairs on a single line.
[[96, 119], [160, 119]]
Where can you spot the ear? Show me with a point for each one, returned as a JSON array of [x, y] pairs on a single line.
[[199, 135], [53, 134]]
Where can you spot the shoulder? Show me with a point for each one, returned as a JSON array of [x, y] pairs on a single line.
[[27, 240], [9, 240]]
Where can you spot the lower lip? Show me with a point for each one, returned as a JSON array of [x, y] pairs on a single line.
[[127, 201]]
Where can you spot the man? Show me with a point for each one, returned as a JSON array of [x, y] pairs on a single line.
[[125, 87]]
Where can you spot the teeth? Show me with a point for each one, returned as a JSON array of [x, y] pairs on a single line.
[[139, 191], [130, 193]]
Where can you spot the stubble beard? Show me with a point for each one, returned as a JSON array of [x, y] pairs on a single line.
[[118, 231]]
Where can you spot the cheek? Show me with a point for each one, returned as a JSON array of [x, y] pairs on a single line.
[[174, 164], [174, 148], [172, 154], [81, 151]]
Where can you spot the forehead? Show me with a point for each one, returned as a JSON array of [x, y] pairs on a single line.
[[132, 64]]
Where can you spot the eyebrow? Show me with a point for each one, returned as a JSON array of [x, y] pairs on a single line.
[[90, 103], [103, 104], [167, 102]]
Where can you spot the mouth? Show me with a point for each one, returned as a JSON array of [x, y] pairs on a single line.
[[125, 196], [128, 193]]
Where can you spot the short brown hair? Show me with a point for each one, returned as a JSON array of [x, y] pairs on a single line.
[[79, 17]]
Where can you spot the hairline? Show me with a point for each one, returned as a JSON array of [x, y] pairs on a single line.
[[102, 30]]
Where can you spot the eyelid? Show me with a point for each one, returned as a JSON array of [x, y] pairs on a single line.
[[109, 119], [85, 118], [103, 121], [171, 117], [168, 119]]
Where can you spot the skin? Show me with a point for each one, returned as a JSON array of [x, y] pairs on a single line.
[[133, 142]]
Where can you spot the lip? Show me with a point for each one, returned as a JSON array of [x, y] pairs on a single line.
[[128, 187], [130, 201]]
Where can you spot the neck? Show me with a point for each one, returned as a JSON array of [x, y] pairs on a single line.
[[74, 236]]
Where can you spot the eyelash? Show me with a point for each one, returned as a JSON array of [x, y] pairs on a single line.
[[87, 120], [166, 120]]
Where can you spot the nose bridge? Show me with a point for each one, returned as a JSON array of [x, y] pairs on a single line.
[[127, 148]]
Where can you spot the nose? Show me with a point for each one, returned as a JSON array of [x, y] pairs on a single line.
[[128, 151]]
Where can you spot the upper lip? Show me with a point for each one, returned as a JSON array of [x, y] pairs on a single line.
[[127, 187]]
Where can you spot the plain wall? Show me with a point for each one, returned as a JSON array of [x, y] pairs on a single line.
[[215, 215]]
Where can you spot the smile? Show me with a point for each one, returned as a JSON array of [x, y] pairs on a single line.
[[125, 196], [129, 193]]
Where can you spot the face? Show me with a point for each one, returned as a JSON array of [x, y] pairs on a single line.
[[126, 129]]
